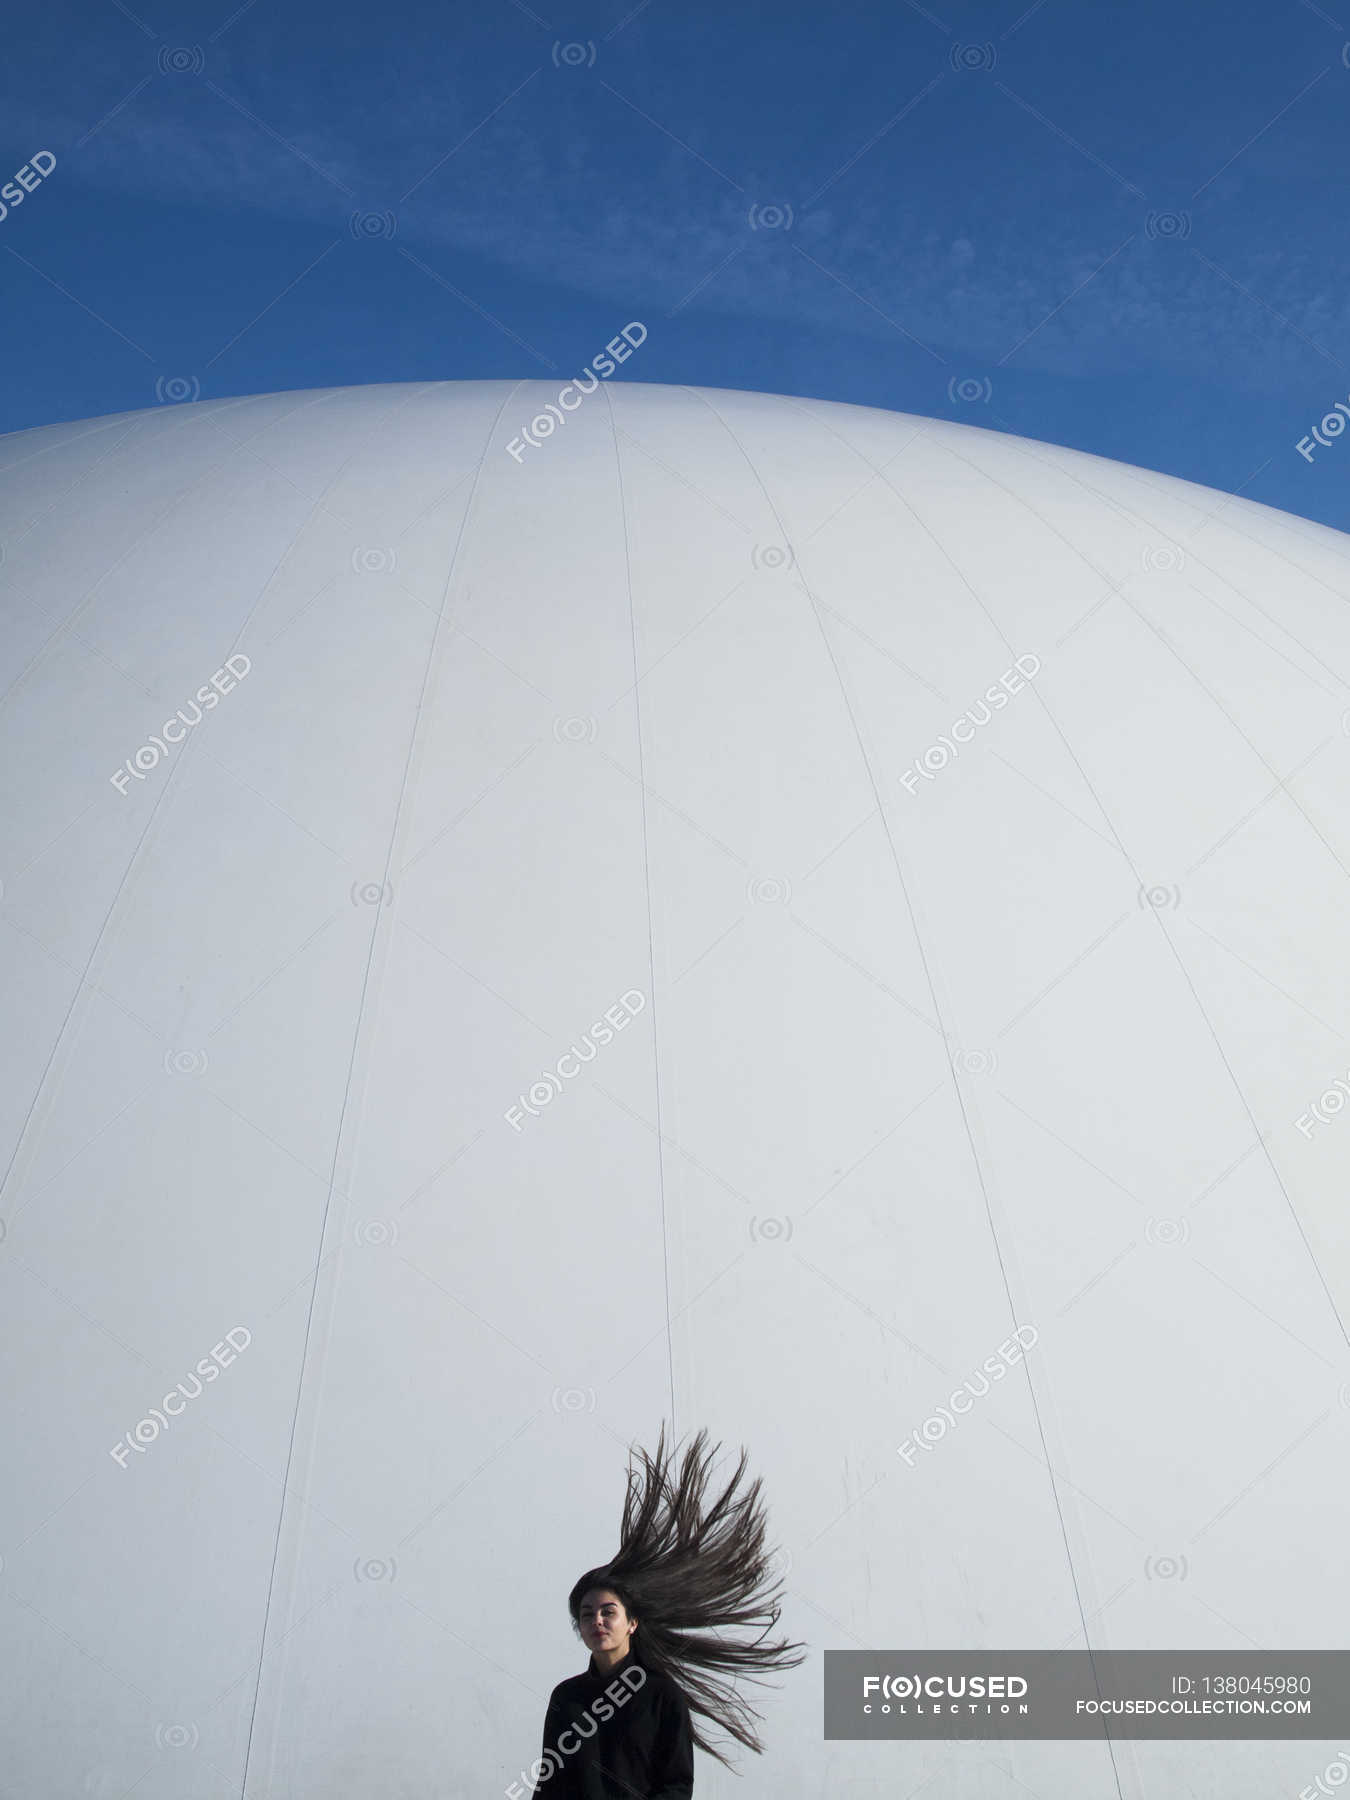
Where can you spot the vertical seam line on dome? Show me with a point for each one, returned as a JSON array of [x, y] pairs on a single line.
[[1135, 473], [974, 1153], [1128, 510], [1162, 926], [647, 878], [351, 1065], [169, 785]]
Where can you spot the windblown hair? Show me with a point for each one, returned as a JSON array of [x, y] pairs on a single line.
[[681, 1571]]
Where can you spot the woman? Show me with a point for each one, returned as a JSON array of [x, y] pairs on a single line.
[[624, 1729]]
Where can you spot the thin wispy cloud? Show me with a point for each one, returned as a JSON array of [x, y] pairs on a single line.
[[1132, 237], [974, 277]]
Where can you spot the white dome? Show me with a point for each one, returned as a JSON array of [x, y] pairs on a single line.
[[1038, 1030]]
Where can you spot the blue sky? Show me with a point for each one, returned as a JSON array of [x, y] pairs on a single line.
[[1121, 228]]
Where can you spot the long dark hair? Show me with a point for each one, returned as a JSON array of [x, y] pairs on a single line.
[[681, 1568]]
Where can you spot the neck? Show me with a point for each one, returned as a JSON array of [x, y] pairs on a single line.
[[602, 1661]]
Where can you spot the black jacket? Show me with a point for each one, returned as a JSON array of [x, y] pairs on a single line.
[[620, 1735]]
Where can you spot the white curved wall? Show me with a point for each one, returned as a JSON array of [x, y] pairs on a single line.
[[1026, 1046]]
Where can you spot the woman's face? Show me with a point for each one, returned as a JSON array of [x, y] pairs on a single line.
[[605, 1625]]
